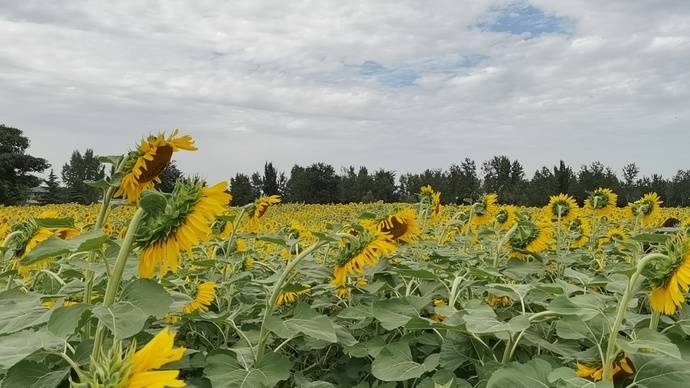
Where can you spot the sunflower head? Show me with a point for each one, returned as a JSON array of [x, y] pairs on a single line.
[[400, 226], [505, 216], [561, 207], [260, 206], [622, 367], [485, 209], [359, 251], [141, 167], [669, 277], [190, 211], [291, 293], [601, 201], [646, 208], [531, 236], [205, 295]]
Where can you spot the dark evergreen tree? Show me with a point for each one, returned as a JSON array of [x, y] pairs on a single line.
[[242, 190], [53, 192], [270, 180]]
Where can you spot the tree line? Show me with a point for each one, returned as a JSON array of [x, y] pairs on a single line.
[[322, 183], [460, 183]]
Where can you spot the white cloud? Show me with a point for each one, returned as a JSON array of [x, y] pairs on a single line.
[[282, 81]]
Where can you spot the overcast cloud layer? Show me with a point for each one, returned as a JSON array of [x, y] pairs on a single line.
[[404, 85]]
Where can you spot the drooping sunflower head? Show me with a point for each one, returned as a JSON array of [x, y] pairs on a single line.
[[622, 367], [506, 216], [616, 234], [291, 293], [531, 236], [359, 251], [561, 207], [141, 167], [646, 209], [190, 211], [260, 206], [601, 201], [484, 210], [669, 278], [205, 295], [400, 226]]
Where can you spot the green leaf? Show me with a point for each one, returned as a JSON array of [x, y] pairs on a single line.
[[149, 296], [319, 328], [54, 246], [66, 222], [533, 374], [65, 319], [19, 311], [563, 306], [122, 318], [650, 341], [225, 372], [393, 313], [652, 238], [655, 372], [19, 345], [394, 363], [153, 202], [30, 374]]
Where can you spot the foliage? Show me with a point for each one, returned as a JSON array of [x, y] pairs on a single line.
[[16, 166]]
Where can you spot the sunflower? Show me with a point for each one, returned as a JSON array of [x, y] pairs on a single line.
[[646, 208], [291, 293], [205, 294], [579, 231], [360, 251], [400, 226], [32, 234], [601, 201], [561, 206], [616, 234], [191, 210], [505, 216], [156, 353], [670, 279], [260, 207], [621, 367], [531, 236], [484, 210], [141, 167], [500, 301], [432, 199]]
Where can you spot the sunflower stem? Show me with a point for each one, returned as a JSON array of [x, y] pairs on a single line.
[[114, 281], [89, 274], [654, 322], [612, 346], [271, 301], [503, 240]]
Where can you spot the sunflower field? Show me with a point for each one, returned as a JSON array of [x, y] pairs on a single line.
[[183, 289]]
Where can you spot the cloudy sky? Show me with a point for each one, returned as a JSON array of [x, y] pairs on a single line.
[[403, 85]]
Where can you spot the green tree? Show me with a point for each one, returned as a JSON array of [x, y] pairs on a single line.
[[16, 166], [78, 172], [53, 193], [317, 183], [270, 180], [241, 190]]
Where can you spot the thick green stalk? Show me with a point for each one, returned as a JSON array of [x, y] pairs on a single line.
[[114, 281], [100, 220], [271, 301], [612, 347], [502, 241], [654, 322]]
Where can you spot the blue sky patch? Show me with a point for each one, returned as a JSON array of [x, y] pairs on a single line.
[[522, 18]]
